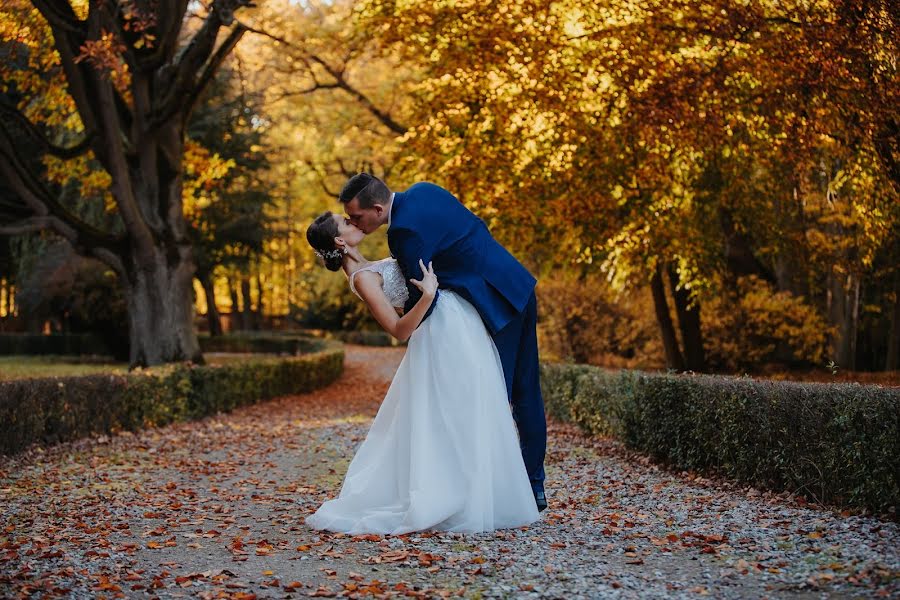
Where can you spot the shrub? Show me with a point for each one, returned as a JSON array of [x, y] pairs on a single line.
[[56, 343], [362, 337], [837, 443], [58, 409], [755, 324], [267, 342], [584, 320]]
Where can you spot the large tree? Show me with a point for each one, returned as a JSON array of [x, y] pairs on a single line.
[[122, 76], [679, 145]]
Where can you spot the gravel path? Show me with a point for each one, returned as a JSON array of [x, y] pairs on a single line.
[[214, 509]]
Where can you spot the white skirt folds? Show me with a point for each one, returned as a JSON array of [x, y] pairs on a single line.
[[443, 452]]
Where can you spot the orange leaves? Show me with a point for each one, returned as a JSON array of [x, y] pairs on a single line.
[[104, 53], [105, 585], [237, 549], [391, 556], [263, 548]]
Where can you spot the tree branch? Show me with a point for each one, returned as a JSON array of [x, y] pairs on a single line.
[[315, 88], [382, 116], [180, 78], [340, 82], [42, 203], [10, 114], [34, 224], [214, 63], [59, 15]]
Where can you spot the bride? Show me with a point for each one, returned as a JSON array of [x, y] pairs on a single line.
[[442, 452]]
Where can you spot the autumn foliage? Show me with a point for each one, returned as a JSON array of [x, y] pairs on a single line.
[[678, 148], [724, 174]]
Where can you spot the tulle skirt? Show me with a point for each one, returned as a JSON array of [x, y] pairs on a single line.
[[442, 452]]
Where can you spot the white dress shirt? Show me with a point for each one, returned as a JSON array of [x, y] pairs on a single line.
[[391, 210]]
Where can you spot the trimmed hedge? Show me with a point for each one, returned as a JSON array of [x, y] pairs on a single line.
[[59, 409], [835, 443], [268, 342], [361, 338], [55, 343]]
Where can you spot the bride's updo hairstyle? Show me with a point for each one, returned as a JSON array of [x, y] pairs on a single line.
[[320, 236]]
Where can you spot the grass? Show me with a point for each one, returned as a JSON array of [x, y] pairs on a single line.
[[31, 367]]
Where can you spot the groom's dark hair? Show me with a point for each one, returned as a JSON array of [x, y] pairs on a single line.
[[367, 189]]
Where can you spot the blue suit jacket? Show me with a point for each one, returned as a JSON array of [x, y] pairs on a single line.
[[428, 222]]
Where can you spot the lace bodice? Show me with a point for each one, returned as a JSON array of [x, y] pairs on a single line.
[[392, 281]]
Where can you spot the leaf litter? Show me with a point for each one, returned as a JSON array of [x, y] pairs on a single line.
[[215, 509]]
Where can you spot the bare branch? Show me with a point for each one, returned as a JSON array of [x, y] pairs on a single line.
[[382, 116], [214, 63], [59, 15], [192, 58], [347, 173], [10, 114], [339, 81], [112, 259], [40, 202], [315, 88], [34, 224]]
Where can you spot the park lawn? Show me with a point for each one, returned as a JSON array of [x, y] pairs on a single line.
[[29, 367]]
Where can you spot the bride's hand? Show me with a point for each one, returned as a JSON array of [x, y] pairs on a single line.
[[428, 285]]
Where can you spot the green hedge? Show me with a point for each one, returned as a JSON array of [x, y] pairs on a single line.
[[58, 409], [269, 342], [835, 443], [56, 343], [362, 338]]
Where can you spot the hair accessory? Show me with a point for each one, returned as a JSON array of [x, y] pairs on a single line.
[[329, 253]]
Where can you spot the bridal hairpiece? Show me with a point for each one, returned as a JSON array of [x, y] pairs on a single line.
[[329, 253]]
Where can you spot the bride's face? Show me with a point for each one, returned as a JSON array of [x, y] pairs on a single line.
[[348, 232]]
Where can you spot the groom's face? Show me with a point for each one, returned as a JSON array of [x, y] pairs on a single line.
[[366, 219]]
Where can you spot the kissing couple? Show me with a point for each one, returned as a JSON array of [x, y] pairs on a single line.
[[458, 443]]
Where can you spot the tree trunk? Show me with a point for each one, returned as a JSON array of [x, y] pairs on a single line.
[[247, 308], [843, 311], [739, 256], [689, 325], [892, 361], [212, 312], [674, 359], [160, 311], [137, 136], [259, 300], [236, 317]]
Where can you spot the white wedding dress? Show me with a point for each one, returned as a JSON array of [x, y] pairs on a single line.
[[443, 451]]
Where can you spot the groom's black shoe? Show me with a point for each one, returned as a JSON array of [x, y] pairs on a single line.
[[541, 500]]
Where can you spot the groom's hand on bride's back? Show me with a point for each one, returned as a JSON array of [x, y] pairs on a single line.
[[428, 285]]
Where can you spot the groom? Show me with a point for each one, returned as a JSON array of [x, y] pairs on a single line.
[[427, 222]]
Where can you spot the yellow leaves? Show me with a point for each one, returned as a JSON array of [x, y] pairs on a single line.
[[203, 170]]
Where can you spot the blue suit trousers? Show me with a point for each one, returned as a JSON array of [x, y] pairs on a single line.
[[517, 345]]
